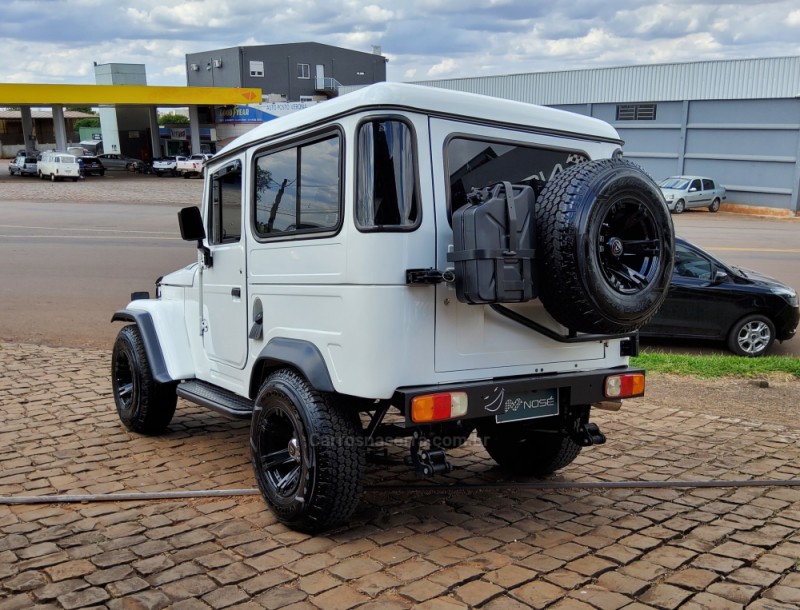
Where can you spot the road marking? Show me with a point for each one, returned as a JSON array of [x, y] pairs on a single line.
[[117, 237], [776, 250], [84, 229]]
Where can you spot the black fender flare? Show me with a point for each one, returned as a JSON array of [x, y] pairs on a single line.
[[301, 355], [152, 347]]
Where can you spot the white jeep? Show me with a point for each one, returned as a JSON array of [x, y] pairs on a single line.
[[403, 261]]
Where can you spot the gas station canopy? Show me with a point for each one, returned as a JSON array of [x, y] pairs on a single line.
[[124, 95]]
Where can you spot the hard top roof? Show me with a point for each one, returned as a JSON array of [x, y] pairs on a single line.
[[431, 100]]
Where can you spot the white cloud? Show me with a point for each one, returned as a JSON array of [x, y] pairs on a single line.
[[422, 38]]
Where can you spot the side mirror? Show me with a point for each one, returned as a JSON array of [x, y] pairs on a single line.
[[719, 276], [191, 224]]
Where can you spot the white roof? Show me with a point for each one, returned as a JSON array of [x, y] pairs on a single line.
[[430, 100]]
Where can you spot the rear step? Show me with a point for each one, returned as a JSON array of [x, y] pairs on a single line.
[[219, 400]]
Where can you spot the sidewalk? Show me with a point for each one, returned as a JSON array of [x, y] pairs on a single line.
[[502, 548]]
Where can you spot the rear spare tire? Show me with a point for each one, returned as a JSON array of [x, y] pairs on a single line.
[[605, 247]]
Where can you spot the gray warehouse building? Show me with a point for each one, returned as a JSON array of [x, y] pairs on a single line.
[[737, 121]]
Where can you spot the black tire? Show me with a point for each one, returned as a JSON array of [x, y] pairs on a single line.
[[680, 206], [143, 404], [528, 452], [74, 179], [751, 336], [307, 454], [159, 174], [41, 176], [607, 247], [714, 207], [102, 172], [449, 435]]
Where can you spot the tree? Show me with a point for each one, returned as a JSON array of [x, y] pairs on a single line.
[[88, 122], [172, 118]]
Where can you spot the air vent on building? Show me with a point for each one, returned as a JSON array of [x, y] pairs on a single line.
[[194, 67], [217, 63], [636, 112]]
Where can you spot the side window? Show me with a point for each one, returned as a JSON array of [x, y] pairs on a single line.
[[303, 71], [695, 185], [298, 189], [479, 163], [708, 185], [691, 264], [226, 205], [388, 195]]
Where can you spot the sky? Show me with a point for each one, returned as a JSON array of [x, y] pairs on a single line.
[[57, 41]]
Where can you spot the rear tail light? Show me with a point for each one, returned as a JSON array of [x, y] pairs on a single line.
[[626, 385], [438, 407]]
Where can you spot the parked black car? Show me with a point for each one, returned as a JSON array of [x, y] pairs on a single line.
[[709, 299], [92, 165]]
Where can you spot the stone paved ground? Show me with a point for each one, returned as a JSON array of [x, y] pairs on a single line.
[[504, 548]]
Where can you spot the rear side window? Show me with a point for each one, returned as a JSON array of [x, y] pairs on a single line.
[[298, 189], [388, 193], [708, 185], [479, 163]]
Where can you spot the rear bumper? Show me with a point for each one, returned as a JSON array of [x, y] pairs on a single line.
[[572, 389]]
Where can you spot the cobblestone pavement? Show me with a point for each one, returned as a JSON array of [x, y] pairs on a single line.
[[502, 548]]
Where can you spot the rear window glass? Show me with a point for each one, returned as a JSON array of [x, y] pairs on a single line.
[[480, 163]]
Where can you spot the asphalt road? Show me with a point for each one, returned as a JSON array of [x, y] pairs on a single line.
[[66, 266]]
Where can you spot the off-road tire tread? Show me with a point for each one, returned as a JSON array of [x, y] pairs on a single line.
[[340, 467], [156, 401], [529, 453], [561, 289]]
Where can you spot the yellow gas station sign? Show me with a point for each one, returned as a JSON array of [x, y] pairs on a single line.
[[124, 95]]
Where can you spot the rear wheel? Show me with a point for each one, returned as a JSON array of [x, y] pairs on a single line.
[[307, 453], [528, 452], [751, 336], [143, 404], [714, 207], [607, 247]]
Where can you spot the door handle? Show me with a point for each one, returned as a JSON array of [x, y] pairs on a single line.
[[236, 292]]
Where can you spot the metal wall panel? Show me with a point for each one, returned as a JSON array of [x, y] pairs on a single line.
[[774, 77]]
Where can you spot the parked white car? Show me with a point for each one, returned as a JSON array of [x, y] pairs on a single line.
[[192, 165], [403, 262], [58, 166], [687, 192]]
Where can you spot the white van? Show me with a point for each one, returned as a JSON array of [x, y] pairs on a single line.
[[58, 165]]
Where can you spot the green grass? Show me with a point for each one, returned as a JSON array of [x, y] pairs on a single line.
[[718, 365]]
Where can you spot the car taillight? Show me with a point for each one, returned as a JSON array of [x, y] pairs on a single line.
[[438, 407], [626, 385]]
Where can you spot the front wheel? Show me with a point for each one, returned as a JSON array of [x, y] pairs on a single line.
[[751, 336], [528, 452], [714, 207], [143, 404], [52, 177], [307, 453], [680, 206]]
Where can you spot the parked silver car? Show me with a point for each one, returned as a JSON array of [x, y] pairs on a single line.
[[23, 164], [686, 192], [115, 161]]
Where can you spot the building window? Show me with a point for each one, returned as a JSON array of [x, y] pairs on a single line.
[[256, 68], [303, 71], [636, 112]]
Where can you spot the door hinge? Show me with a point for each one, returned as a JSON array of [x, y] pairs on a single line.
[[429, 276]]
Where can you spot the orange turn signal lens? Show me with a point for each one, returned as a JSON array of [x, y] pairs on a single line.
[[627, 385], [438, 407]]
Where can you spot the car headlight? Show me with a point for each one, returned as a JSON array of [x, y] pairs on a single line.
[[788, 294], [669, 196]]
